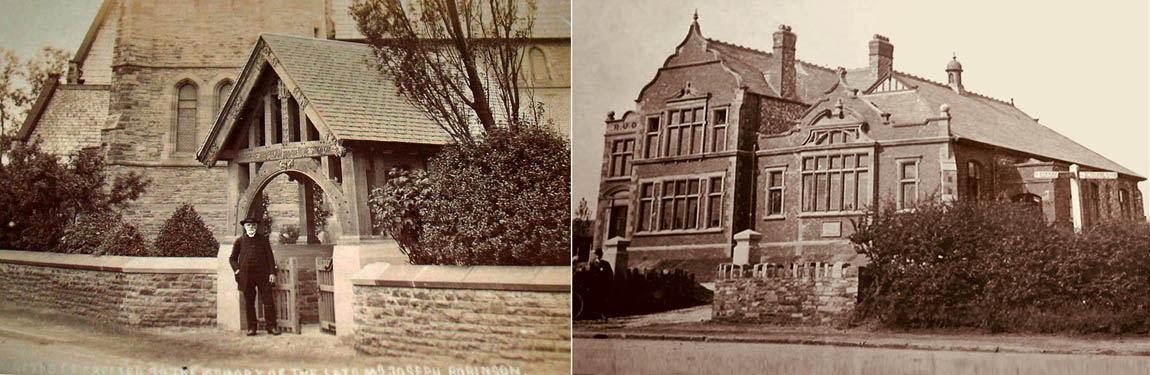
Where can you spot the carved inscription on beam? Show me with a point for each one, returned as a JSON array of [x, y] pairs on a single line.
[[293, 151]]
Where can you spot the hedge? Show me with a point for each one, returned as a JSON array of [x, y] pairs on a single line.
[[997, 266]]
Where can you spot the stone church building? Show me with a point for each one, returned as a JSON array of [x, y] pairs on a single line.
[[726, 139], [150, 78]]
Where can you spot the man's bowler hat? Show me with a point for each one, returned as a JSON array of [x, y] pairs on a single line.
[[254, 220]]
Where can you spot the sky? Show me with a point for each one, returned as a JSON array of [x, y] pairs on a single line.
[[26, 26], [1082, 68]]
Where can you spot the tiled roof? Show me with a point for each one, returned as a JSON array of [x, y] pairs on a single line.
[[341, 80], [552, 19], [986, 120]]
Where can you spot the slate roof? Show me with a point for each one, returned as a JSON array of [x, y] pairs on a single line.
[[350, 94], [985, 120], [973, 117], [760, 70]]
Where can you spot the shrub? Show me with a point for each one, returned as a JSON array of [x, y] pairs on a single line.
[[998, 266], [126, 240], [184, 234], [40, 194], [289, 234], [503, 200], [396, 211], [87, 233]]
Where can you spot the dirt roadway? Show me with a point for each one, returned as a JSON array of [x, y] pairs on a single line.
[[693, 324], [36, 343]]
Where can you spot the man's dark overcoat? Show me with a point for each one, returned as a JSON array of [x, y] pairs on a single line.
[[253, 257]]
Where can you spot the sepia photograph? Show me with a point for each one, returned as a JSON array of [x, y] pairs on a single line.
[[854, 187], [285, 187]]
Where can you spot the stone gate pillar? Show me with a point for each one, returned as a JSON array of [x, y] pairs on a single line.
[[747, 247], [615, 253]]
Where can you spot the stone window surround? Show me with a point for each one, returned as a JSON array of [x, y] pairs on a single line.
[[705, 195], [782, 169], [169, 155]]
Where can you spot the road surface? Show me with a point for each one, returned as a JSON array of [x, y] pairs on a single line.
[[625, 356]]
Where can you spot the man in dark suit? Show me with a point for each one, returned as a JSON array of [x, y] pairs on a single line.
[[255, 270]]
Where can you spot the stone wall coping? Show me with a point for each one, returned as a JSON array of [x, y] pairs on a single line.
[[509, 278], [111, 263]]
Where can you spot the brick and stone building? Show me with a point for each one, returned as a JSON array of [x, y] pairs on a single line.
[[726, 139], [150, 78]]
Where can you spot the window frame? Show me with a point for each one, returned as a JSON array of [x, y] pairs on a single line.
[[859, 200], [661, 199], [178, 105], [683, 127], [221, 99], [781, 188], [974, 173], [714, 127], [624, 157], [655, 135], [903, 180]]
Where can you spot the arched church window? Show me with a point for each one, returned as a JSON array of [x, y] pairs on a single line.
[[222, 93], [539, 69], [186, 118]]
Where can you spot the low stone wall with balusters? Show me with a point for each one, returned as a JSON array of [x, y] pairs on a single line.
[[797, 293], [136, 291]]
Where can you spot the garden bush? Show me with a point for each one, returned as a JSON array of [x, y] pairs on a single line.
[[997, 266], [88, 232], [396, 210], [41, 194], [503, 200], [104, 233], [184, 234]]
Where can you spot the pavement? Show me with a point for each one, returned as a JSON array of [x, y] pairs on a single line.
[[35, 342], [694, 325]]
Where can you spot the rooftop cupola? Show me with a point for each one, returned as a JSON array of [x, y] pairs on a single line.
[[881, 56], [784, 51], [954, 75]]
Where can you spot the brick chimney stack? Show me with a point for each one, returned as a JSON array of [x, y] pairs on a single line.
[[881, 56], [784, 51]]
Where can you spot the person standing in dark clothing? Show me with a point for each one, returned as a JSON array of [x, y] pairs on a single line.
[[255, 269], [602, 278]]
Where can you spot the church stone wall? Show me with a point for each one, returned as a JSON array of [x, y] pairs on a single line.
[[160, 45]]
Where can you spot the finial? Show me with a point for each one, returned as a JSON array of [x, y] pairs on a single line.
[[696, 17], [953, 56]]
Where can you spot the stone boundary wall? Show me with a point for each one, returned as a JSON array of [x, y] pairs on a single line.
[[481, 315], [796, 293], [136, 291]]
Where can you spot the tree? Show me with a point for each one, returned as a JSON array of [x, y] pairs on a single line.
[[448, 58], [40, 194], [21, 82]]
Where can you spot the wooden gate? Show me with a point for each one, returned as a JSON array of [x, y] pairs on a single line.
[[325, 278], [286, 291]]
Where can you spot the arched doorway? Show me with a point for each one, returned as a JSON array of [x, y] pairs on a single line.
[[305, 172]]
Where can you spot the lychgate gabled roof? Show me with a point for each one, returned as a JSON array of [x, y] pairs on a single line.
[[340, 88]]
